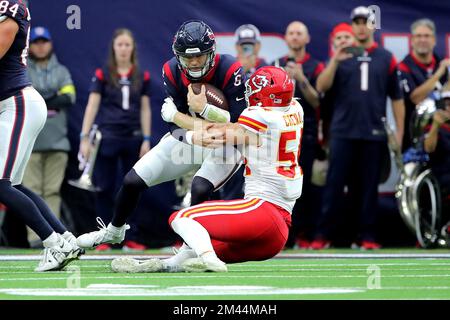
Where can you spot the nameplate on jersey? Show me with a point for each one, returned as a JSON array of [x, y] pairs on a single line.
[[293, 119]]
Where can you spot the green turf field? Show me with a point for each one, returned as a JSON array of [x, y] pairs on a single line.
[[295, 275]]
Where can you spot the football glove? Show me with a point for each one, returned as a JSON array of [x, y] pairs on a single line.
[[168, 110]]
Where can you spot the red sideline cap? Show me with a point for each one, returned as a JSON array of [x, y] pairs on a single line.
[[340, 28]]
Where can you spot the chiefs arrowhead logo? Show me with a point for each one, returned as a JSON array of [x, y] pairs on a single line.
[[260, 81]]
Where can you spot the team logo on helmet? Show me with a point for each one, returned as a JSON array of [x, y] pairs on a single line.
[[260, 81]]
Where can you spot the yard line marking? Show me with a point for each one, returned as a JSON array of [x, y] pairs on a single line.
[[136, 291]]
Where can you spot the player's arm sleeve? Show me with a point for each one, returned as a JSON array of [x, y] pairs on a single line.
[[395, 91], [252, 120], [98, 82], [406, 79], [146, 85], [234, 91]]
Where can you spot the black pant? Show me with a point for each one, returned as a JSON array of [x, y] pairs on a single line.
[[355, 163]]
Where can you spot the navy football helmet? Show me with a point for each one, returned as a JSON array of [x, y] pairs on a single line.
[[194, 38]]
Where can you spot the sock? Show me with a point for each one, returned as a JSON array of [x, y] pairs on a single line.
[[115, 229], [52, 240], [201, 190], [127, 198], [20, 204], [184, 253], [194, 234], [43, 208]]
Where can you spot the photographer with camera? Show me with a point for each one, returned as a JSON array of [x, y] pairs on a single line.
[[359, 80], [248, 44]]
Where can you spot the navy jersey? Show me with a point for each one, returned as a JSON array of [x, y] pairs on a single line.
[[120, 108], [226, 75], [359, 92], [311, 68], [13, 76], [413, 73]]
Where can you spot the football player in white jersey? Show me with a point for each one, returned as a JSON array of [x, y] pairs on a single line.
[[256, 227]]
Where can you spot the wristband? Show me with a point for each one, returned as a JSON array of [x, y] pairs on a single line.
[[189, 135], [146, 138], [215, 114], [83, 135]]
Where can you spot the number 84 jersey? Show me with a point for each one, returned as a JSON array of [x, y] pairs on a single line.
[[13, 64], [272, 171]]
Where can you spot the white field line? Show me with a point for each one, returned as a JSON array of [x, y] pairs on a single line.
[[226, 276], [25, 257], [266, 270], [320, 265]]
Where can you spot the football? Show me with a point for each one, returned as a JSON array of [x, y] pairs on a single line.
[[214, 95]]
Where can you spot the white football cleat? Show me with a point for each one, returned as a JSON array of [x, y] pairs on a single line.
[[57, 257], [130, 265], [210, 264], [106, 234], [70, 238]]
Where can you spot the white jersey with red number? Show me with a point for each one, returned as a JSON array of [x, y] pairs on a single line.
[[272, 171]]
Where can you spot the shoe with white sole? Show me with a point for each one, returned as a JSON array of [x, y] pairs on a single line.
[[106, 234], [69, 237], [57, 257], [210, 264], [130, 265]]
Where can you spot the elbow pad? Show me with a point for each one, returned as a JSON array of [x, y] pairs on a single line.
[[215, 114]]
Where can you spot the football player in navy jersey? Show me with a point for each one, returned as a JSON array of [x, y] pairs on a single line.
[[120, 96], [423, 73], [181, 150], [22, 116], [304, 69], [359, 84]]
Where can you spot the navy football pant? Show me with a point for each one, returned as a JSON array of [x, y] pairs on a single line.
[[355, 163]]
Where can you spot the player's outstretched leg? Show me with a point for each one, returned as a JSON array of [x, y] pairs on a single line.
[[172, 264], [197, 237], [126, 202]]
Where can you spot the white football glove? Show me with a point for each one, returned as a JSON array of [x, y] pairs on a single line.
[[168, 110]]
